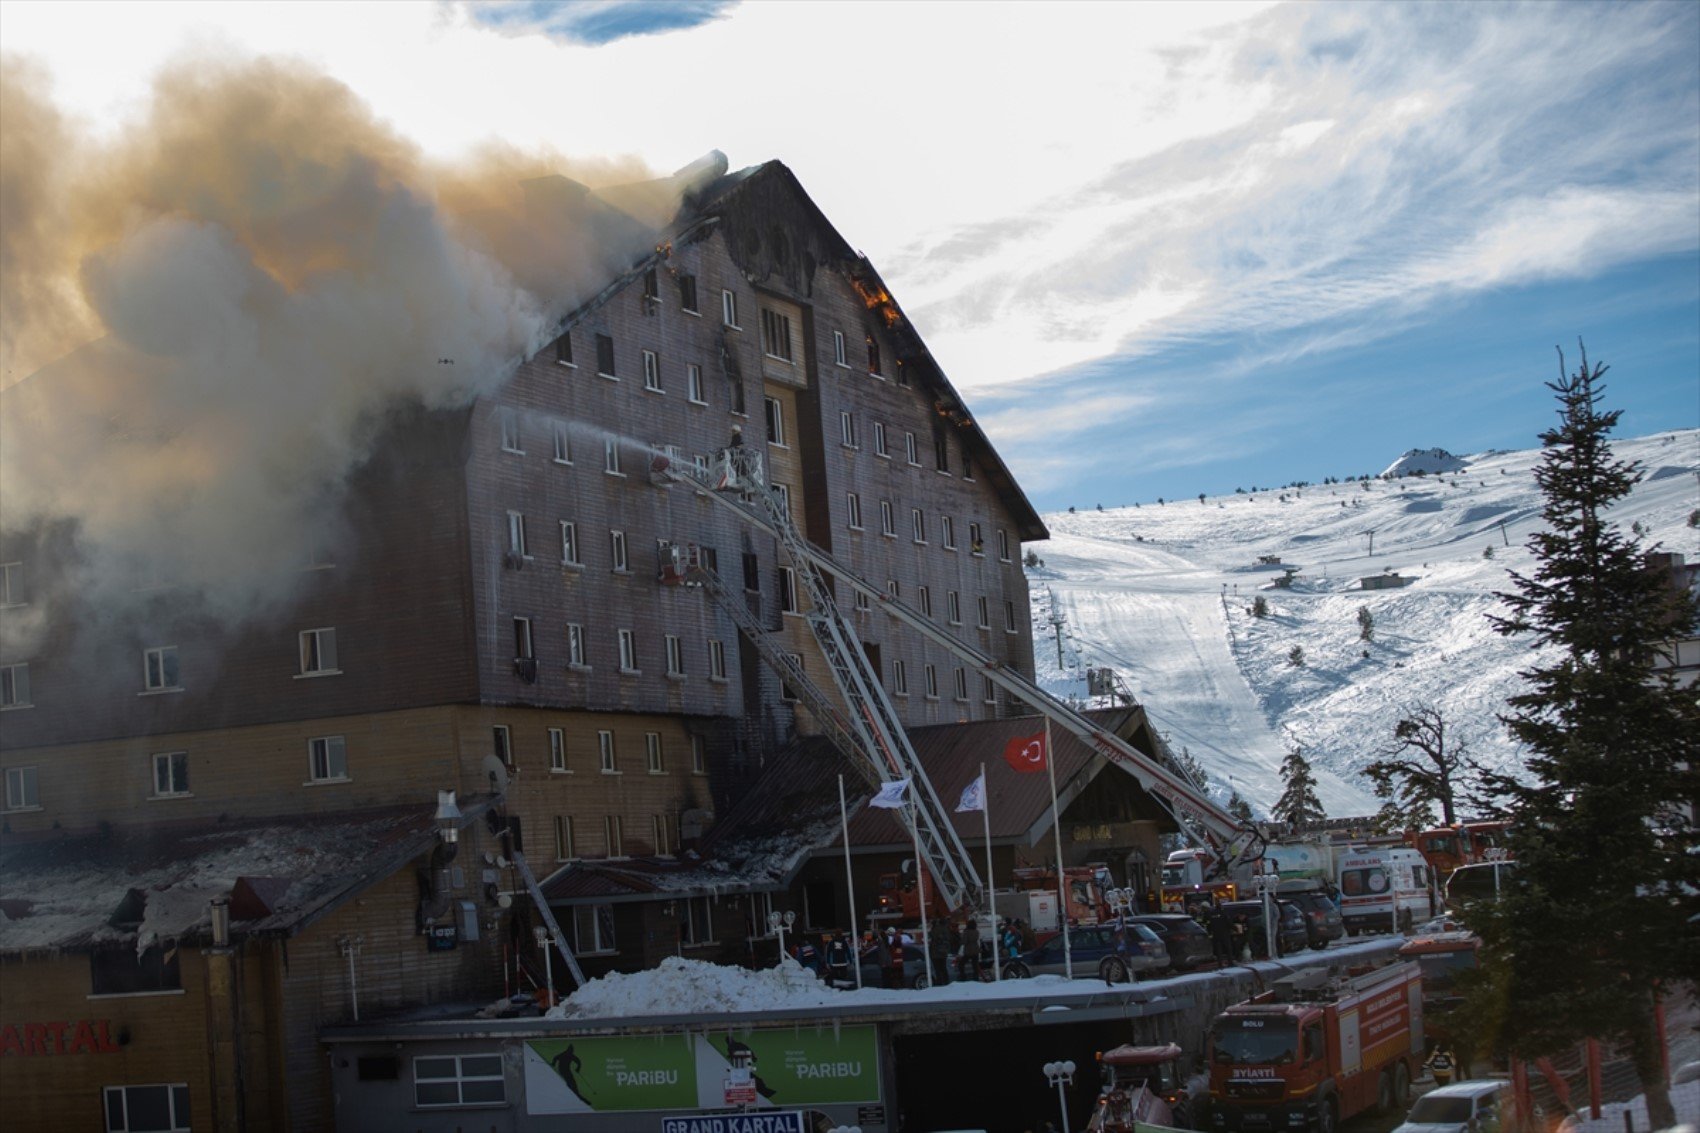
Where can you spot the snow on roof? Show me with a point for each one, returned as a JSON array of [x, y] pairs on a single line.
[[67, 893]]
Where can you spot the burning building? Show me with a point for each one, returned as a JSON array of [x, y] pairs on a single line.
[[242, 803]]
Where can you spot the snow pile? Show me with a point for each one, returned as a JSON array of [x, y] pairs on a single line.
[[1685, 1099], [1425, 461], [695, 987]]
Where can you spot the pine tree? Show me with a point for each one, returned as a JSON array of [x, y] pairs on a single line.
[[1606, 865], [1366, 624], [1298, 804], [1422, 768], [1238, 807]]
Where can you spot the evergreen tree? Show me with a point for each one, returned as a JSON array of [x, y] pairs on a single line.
[[1366, 624], [1298, 804], [1607, 871], [1238, 807], [1421, 769]]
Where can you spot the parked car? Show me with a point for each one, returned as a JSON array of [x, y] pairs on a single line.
[[1096, 952], [1186, 941], [1462, 1107], [1290, 932], [1323, 922]]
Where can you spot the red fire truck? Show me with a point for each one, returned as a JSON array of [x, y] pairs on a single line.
[[1313, 1051]]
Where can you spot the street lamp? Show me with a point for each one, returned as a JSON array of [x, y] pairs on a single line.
[[546, 942], [777, 923], [1061, 1074], [1267, 883]]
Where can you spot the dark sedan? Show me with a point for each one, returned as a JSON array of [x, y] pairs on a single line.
[[1187, 942], [1248, 920]]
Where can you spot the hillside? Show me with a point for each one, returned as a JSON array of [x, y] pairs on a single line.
[[1162, 594]]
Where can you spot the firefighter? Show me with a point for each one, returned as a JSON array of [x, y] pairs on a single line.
[[1440, 1065], [838, 961], [808, 955], [894, 959]]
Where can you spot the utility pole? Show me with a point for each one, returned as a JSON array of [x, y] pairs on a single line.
[[1372, 540], [1057, 621]]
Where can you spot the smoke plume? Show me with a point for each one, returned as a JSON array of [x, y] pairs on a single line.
[[201, 321]]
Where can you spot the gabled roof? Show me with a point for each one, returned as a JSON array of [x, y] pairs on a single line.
[[145, 884]]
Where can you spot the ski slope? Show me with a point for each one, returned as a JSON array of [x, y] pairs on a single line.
[[1162, 594]]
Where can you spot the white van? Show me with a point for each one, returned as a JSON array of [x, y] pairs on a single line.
[[1462, 1107], [1376, 882]]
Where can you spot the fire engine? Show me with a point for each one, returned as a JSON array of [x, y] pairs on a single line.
[[1464, 843], [1314, 1050], [1144, 1085], [1442, 955]]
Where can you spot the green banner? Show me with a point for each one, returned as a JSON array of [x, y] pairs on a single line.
[[809, 1067], [618, 1073]]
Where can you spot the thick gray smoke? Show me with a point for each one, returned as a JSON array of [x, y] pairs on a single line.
[[202, 323]]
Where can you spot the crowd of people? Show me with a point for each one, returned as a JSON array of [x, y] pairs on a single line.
[[958, 950]]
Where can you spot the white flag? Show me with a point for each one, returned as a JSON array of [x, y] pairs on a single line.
[[891, 795], [973, 795]]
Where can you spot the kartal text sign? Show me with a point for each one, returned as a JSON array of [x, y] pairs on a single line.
[[736, 1123], [786, 1068]]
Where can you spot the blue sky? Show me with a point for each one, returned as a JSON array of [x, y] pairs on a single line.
[[1162, 249]]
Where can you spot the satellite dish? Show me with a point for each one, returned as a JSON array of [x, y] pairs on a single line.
[[497, 772]]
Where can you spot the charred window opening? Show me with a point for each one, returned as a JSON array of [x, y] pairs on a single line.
[[120, 971], [688, 294], [564, 349], [874, 366], [605, 356]]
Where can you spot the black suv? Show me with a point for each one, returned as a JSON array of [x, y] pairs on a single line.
[[1290, 932], [1188, 943], [1322, 916]]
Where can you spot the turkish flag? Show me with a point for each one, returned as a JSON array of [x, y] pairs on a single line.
[[1026, 753]]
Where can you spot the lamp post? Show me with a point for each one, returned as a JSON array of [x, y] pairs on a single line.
[[1266, 885], [1061, 1074], [777, 923], [546, 943]]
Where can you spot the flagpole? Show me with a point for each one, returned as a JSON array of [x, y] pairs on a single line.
[[921, 891], [991, 886], [1056, 833], [850, 887]]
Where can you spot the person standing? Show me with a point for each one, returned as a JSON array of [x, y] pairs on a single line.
[[971, 949], [1222, 935], [938, 959]]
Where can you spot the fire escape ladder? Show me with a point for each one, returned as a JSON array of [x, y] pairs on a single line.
[[548, 914]]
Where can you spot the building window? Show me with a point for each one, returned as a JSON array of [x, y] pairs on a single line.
[[932, 678], [861, 602], [847, 428], [611, 455], [563, 442], [558, 750], [854, 510], [918, 524], [776, 335], [693, 384], [879, 440], [605, 357], [953, 607], [784, 494], [888, 519], [696, 925], [775, 421], [516, 534], [967, 466], [564, 349], [899, 679], [12, 584], [458, 1079], [15, 686], [651, 285], [891, 587], [593, 929], [21, 791], [688, 294], [675, 656], [170, 774], [941, 453], [984, 611], [716, 660], [523, 648], [786, 692], [838, 357], [617, 551], [651, 371], [318, 652], [614, 835], [628, 652], [658, 835], [159, 668], [156, 1109], [327, 759], [699, 756], [925, 601], [947, 532], [962, 684], [124, 971], [729, 310], [564, 838], [610, 763], [787, 590], [910, 450], [975, 544], [652, 753], [752, 573], [575, 645], [874, 367], [1003, 544], [1009, 617], [510, 430], [569, 543], [988, 690]]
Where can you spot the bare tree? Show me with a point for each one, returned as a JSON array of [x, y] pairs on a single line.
[[1425, 766]]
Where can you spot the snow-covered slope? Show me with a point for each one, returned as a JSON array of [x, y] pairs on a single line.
[[1163, 595]]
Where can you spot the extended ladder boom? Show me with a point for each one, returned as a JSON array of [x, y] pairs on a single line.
[[737, 475]]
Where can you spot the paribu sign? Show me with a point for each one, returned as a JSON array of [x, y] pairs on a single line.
[[786, 1068], [735, 1123]]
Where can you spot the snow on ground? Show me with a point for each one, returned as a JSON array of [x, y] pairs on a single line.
[[1685, 1099], [1162, 593]]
